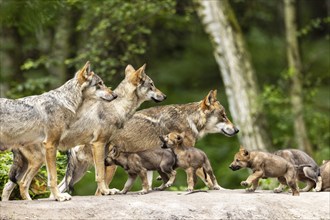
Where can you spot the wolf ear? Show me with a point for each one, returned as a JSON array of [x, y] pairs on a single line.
[[209, 100], [244, 151], [183, 134], [129, 69], [140, 71], [84, 73]]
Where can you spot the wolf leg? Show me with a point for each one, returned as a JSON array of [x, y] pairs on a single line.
[[318, 187], [98, 157], [190, 178], [149, 176], [253, 177], [51, 170], [144, 180], [172, 179], [7, 190], [108, 176], [129, 183], [26, 180]]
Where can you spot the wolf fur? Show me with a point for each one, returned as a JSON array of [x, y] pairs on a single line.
[[138, 163], [44, 118], [265, 165], [307, 169], [190, 159], [97, 121], [325, 174]]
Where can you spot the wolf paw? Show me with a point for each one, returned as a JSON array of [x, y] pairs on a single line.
[[62, 197], [168, 185], [105, 191], [249, 190], [277, 190], [142, 192], [158, 188], [244, 183], [217, 187], [190, 190], [122, 192], [114, 191]]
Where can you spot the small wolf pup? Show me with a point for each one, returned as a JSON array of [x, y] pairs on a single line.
[[138, 163], [44, 118], [325, 174], [307, 169], [189, 158], [265, 165]]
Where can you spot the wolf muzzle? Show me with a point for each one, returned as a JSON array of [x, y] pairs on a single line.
[[234, 168]]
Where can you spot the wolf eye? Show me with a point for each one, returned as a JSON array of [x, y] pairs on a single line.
[[237, 160]]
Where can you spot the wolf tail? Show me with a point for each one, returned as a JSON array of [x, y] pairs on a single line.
[[76, 168], [205, 174], [19, 166]]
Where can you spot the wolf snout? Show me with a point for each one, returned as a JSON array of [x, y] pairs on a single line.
[[114, 95], [234, 167], [159, 98]]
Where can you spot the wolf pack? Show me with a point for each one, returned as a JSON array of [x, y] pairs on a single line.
[[100, 127]]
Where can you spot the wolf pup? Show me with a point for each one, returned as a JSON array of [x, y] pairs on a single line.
[[307, 169], [137, 164], [325, 174], [265, 165], [189, 158], [44, 118], [96, 121]]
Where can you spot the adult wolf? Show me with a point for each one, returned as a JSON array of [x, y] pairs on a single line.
[[97, 124], [142, 131], [44, 118]]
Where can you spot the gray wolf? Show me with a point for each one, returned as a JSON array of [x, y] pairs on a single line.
[[138, 163], [265, 165], [44, 118], [189, 158], [97, 123], [307, 169], [325, 174], [142, 131]]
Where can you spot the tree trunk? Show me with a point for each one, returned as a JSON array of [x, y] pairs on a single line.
[[295, 72], [237, 73]]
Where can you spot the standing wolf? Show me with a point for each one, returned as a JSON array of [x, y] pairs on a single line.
[[142, 131], [94, 126], [44, 118]]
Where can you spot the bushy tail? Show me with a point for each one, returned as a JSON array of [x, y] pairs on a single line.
[[69, 170], [76, 167], [18, 167]]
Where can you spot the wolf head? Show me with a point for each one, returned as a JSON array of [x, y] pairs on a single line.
[[112, 155], [92, 85], [172, 139], [241, 159], [216, 118], [145, 88]]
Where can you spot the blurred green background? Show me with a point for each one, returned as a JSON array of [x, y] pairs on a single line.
[[44, 42]]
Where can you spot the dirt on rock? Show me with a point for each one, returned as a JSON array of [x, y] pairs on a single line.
[[224, 204]]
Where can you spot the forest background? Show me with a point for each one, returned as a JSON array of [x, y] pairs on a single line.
[[43, 43]]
